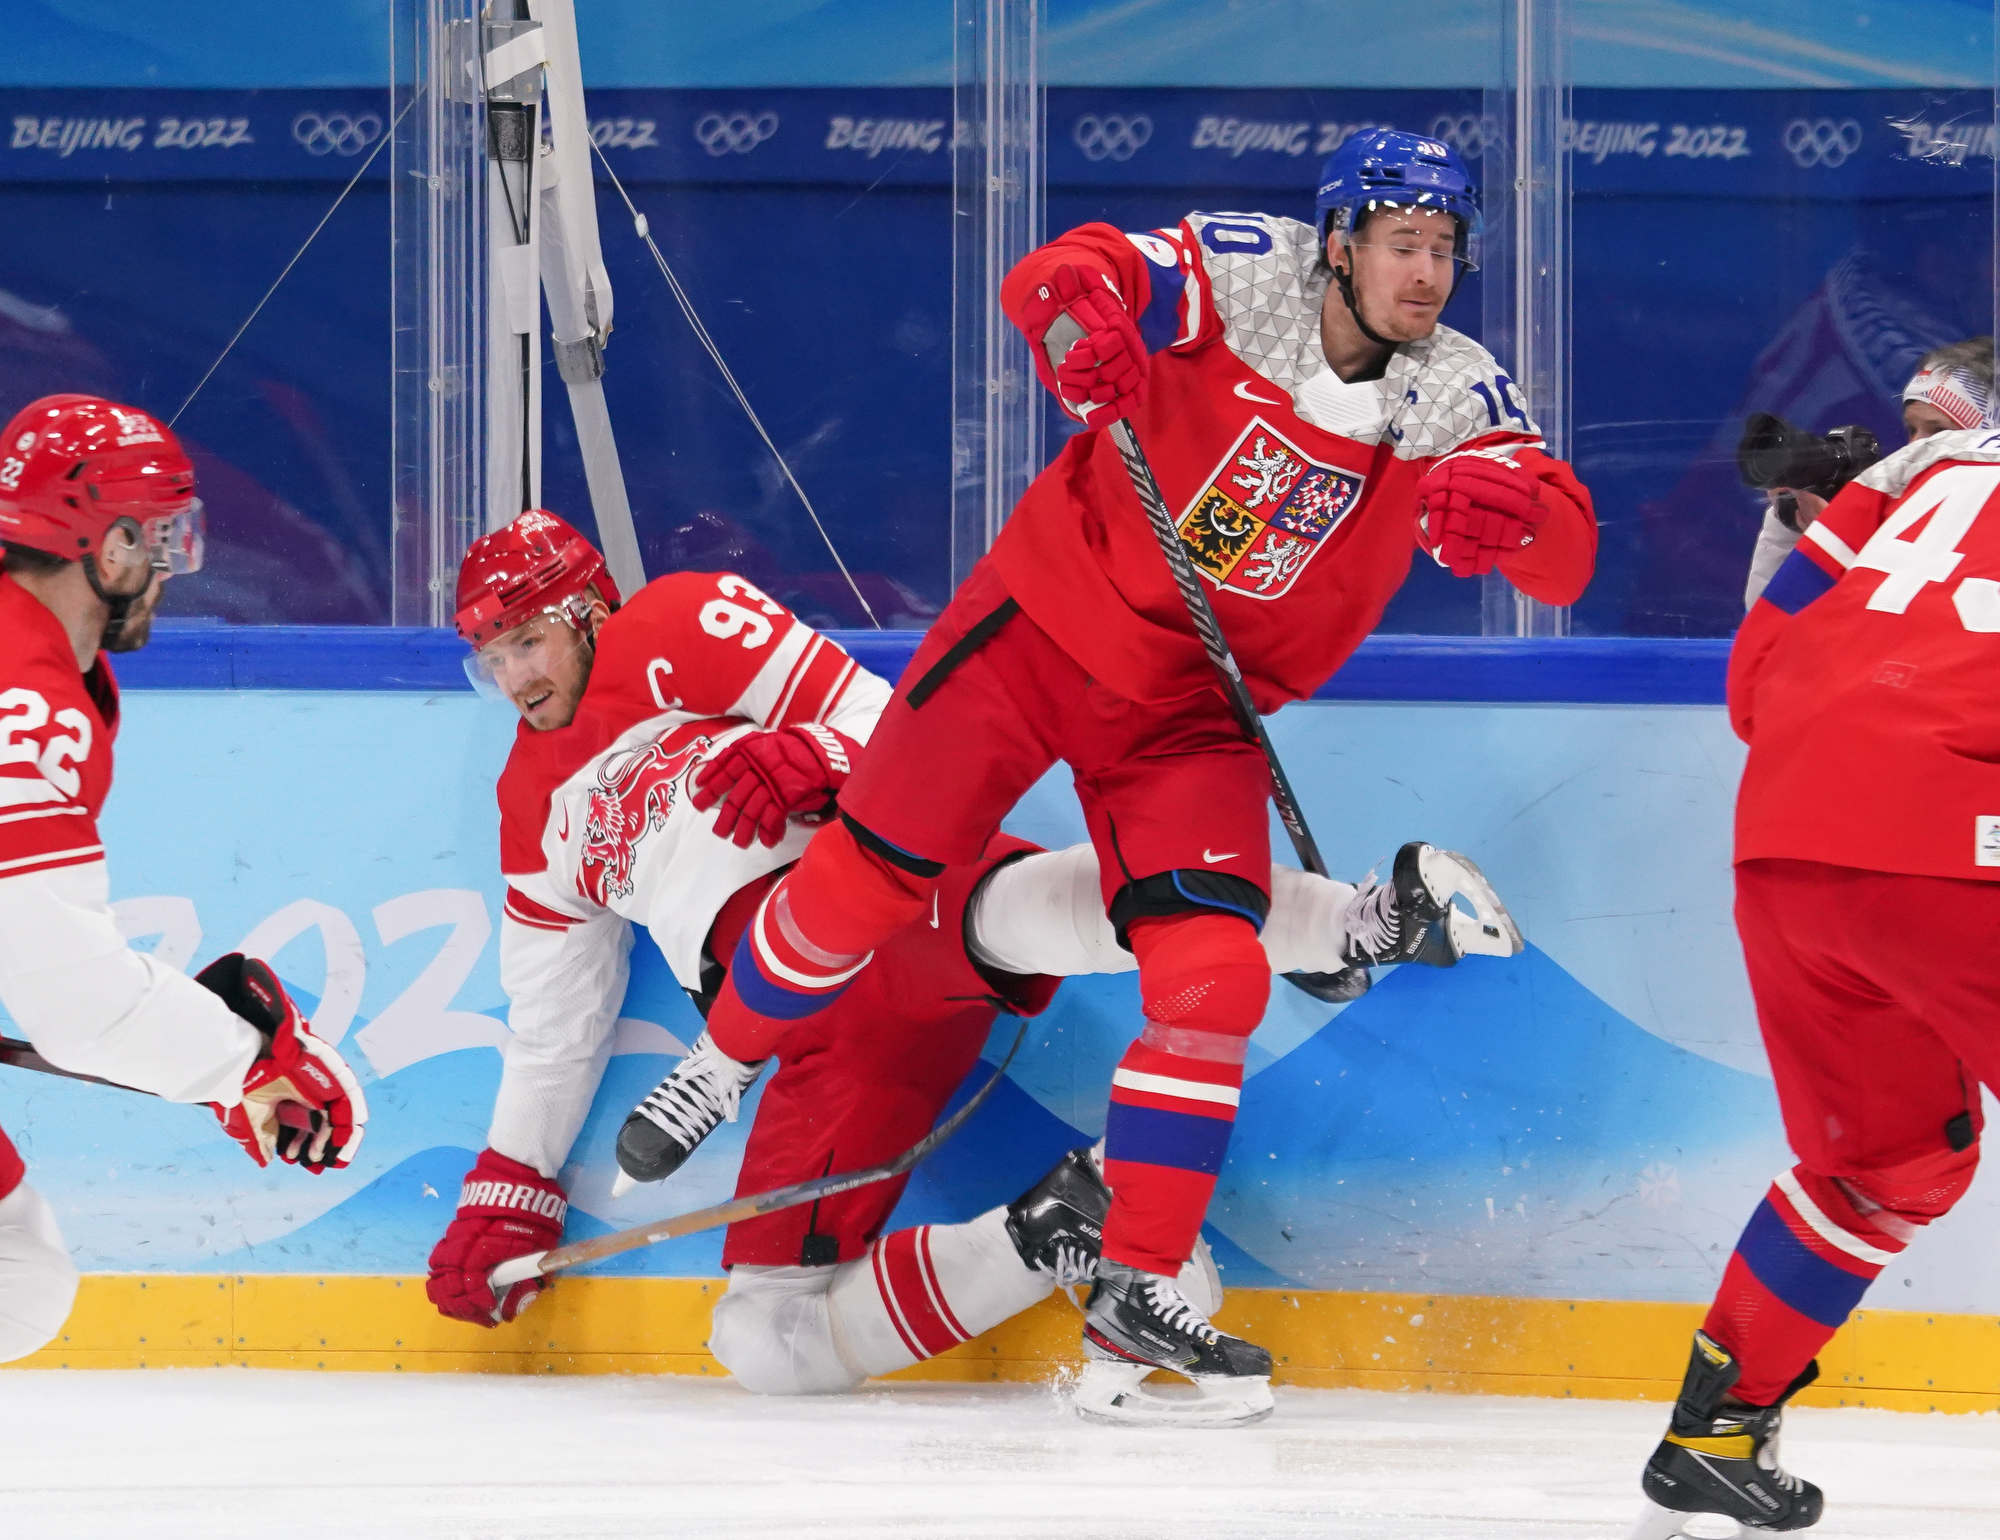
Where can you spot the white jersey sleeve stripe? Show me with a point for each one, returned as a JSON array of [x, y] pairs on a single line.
[[44, 812], [833, 695], [76, 853], [20, 791], [759, 702], [799, 673], [1829, 542]]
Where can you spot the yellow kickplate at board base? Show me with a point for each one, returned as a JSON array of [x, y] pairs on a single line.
[[1491, 1345]]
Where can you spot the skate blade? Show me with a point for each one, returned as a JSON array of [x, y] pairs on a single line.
[[1490, 930], [1657, 1523], [1116, 1392], [622, 1184]]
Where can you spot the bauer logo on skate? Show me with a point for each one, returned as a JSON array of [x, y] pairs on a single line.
[[633, 793], [1264, 513]]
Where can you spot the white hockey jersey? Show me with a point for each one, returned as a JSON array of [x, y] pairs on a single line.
[[597, 832]]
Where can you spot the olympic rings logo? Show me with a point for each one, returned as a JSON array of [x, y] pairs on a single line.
[[734, 133], [336, 133], [1471, 133], [1111, 137], [1821, 141]]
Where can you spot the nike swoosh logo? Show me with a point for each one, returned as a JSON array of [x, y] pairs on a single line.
[[1213, 856], [1248, 394], [934, 909], [563, 833]]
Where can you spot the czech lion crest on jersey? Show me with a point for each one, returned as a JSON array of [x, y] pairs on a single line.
[[1264, 513], [636, 788]]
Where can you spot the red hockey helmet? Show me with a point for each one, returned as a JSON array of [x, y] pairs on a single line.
[[536, 565], [73, 467]]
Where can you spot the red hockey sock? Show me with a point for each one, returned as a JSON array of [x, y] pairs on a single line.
[[1805, 1259], [808, 939], [1205, 980]]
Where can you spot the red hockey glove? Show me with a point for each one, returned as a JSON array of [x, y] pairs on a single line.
[[1476, 507], [763, 779], [1087, 349], [300, 1100], [505, 1210]]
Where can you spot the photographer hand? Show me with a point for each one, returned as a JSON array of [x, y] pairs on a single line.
[[1805, 508]]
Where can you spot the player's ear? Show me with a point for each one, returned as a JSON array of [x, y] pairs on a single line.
[[118, 554]]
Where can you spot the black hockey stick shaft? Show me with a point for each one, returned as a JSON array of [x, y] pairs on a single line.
[[16, 1054], [1209, 629], [541, 1263]]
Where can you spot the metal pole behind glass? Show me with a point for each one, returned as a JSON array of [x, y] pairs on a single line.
[[1526, 295], [437, 287], [998, 197]]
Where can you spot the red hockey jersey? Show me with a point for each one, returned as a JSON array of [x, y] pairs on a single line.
[[1294, 492], [83, 997], [56, 728], [1866, 680]]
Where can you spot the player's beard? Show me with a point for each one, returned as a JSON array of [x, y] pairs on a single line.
[[132, 630]]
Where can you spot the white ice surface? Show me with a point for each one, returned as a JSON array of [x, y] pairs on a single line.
[[222, 1452]]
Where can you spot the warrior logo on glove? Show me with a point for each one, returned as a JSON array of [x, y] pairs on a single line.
[[1264, 512], [633, 793]]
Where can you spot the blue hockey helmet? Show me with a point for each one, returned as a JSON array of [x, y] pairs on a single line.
[[1389, 168]]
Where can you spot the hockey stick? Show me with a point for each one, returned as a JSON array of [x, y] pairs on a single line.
[[1331, 987], [16, 1054], [540, 1264]]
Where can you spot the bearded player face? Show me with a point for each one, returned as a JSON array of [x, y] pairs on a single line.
[[1404, 268]]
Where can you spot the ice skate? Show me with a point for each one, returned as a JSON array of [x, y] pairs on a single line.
[[681, 1111], [1058, 1224], [1138, 1322], [1719, 1459], [1413, 916], [1058, 1228]]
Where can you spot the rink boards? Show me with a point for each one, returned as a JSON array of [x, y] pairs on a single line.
[[1514, 1176]]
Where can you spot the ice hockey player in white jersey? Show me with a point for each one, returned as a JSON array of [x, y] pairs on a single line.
[[623, 804], [97, 513]]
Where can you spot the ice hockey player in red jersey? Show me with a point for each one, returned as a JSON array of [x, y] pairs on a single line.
[[1313, 427], [1864, 681], [97, 511], [665, 756]]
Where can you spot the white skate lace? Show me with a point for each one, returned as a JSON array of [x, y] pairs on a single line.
[[705, 1089], [1373, 925], [1175, 1311], [1072, 1265], [1767, 1458]]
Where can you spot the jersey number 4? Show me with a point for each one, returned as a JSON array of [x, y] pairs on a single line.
[[1946, 506]]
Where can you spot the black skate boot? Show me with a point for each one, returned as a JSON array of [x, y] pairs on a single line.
[[680, 1112], [1411, 917], [1058, 1224], [1137, 1322], [1721, 1457]]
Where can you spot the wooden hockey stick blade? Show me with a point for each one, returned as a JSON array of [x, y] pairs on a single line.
[[540, 1264]]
